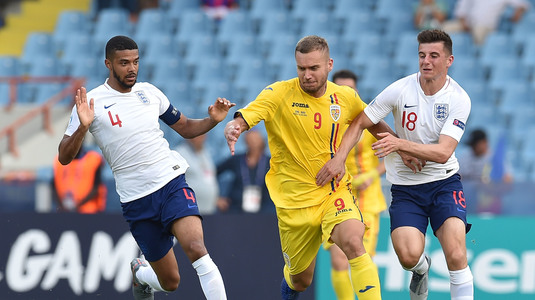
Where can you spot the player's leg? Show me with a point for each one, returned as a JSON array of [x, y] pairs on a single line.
[[189, 233], [452, 238], [340, 274], [449, 223], [300, 237], [408, 223], [343, 226]]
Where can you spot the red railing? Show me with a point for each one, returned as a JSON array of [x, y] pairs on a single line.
[[9, 132]]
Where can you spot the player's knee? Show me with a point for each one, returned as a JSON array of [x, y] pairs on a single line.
[[408, 259], [170, 283], [456, 259], [195, 249], [301, 284]]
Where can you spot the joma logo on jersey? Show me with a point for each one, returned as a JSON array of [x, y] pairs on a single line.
[[302, 105], [142, 97], [342, 211]]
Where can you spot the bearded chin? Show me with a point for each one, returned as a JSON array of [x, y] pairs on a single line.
[[121, 82]]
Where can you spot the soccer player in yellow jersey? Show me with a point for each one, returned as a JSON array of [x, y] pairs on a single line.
[[366, 170], [305, 118]]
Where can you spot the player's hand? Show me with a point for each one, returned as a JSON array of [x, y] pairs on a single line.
[[386, 145], [86, 111], [232, 132], [333, 169], [218, 111], [412, 162]]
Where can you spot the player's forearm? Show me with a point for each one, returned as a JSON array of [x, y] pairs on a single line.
[[196, 127], [428, 152], [70, 145]]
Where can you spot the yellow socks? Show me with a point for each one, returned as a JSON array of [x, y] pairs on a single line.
[[365, 278], [342, 285]]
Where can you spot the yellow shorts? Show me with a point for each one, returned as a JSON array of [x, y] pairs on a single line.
[[371, 235], [303, 230]]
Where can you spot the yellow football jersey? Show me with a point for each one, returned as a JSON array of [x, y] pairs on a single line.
[[360, 160], [304, 132]]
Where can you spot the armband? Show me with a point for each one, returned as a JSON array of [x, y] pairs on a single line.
[[171, 115]]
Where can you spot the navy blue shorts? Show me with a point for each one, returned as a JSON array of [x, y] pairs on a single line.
[[416, 205], [150, 218]]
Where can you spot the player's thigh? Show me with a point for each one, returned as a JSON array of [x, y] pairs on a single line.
[[300, 236], [342, 220], [189, 233]]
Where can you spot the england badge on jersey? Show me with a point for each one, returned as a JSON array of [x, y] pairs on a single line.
[[441, 111], [335, 112], [141, 96]]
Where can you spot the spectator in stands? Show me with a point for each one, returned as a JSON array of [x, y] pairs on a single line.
[[201, 175], [478, 163], [481, 17], [430, 14], [366, 170], [123, 117], [246, 191], [78, 186], [218, 9], [304, 119]]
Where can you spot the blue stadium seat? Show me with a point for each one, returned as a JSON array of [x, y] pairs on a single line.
[[160, 47], [192, 23], [405, 54], [527, 59], [88, 67], [236, 22], [206, 72], [503, 72], [466, 68], [377, 76], [45, 92], [463, 45], [240, 47], [38, 44], [496, 46], [4, 93], [151, 21], [274, 23], [365, 46], [361, 22], [344, 10], [169, 68], [261, 7], [315, 23], [302, 9], [201, 48], [80, 45], [70, 21], [278, 49], [9, 66]]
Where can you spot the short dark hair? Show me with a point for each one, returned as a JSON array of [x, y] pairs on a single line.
[[345, 74], [312, 43], [436, 35], [117, 43], [476, 136]]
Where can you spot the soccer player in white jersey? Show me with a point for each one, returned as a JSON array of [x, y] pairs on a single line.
[[430, 112], [156, 201]]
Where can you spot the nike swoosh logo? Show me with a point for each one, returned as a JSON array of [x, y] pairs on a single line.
[[368, 287], [269, 88], [409, 106], [191, 206], [108, 106]]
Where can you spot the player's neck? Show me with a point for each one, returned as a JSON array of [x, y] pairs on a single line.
[[432, 86]]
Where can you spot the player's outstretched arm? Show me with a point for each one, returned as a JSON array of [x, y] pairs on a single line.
[[232, 131], [190, 128], [70, 145]]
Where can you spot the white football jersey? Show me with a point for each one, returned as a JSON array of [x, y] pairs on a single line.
[[127, 130], [421, 119]]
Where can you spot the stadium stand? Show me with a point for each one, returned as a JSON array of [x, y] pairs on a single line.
[[190, 56]]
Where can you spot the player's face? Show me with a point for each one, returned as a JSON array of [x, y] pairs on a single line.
[[123, 68], [313, 70], [434, 61]]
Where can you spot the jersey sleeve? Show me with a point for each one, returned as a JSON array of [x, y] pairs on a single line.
[[264, 106], [383, 104], [456, 122], [164, 101]]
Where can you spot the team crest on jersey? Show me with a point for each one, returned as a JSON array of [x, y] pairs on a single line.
[[441, 111], [141, 96], [335, 112]]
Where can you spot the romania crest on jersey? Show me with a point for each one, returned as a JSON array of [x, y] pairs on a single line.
[[335, 112], [142, 97], [441, 111]]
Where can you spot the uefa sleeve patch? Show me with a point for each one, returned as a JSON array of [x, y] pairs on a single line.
[[459, 124]]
